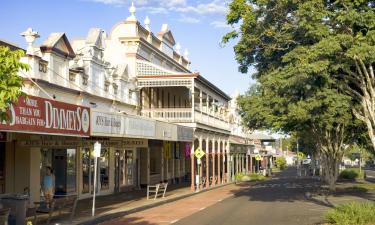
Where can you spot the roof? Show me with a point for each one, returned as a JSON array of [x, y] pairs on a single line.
[[94, 37], [58, 43], [10, 45], [260, 136], [213, 87]]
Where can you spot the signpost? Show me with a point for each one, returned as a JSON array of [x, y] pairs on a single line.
[[96, 154], [199, 153]]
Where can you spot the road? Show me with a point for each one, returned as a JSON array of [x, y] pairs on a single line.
[[370, 174], [281, 200]]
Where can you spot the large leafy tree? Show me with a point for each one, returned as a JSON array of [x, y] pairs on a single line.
[[310, 56], [10, 82]]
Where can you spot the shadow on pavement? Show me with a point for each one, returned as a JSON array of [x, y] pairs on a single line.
[[285, 186]]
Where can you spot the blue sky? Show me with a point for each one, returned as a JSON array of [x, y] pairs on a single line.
[[196, 25]]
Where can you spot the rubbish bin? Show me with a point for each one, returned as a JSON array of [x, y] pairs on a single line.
[[17, 204]]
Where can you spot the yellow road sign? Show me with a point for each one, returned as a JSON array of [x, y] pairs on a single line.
[[258, 157], [199, 153]]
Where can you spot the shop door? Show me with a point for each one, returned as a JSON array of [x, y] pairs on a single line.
[[2, 167], [60, 168], [117, 171]]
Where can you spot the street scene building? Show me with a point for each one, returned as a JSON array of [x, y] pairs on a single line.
[[132, 91], [106, 119]]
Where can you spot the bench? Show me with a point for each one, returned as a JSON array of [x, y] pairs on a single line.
[[213, 180], [157, 190], [67, 202], [4, 215]]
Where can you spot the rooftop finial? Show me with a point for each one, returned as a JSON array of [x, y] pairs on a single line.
[[178, 48], [147, 23], [186, 54], [30, 37], [132, 11]]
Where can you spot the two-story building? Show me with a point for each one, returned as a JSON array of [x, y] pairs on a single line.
[[169, 91]]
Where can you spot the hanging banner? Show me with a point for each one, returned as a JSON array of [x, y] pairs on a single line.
[[38, 115], [187, 150], [167, 149]]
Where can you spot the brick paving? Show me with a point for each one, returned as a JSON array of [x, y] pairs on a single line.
[[172, 212]]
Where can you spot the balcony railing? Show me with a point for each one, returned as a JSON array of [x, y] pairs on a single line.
[[176, 115], [184, 115]]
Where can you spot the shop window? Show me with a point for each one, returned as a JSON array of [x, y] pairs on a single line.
[[2, 167], [104, 168], [129, 166], [63, 165]]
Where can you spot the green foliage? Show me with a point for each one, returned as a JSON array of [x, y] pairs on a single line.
[[257, 177], [303, 52], [352, 174], [239, 176], [281, 162], [355, 149], [358, 213], [10, 82]]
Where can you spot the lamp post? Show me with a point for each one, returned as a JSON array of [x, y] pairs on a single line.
[[96, 154]]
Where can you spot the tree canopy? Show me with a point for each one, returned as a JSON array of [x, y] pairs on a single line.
[[308, 55], [10, 82]]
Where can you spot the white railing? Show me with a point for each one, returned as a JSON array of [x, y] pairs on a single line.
[[169, 114], [181, 115], [211, 120]]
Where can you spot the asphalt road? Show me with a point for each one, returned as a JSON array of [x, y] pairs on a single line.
[[370, 174], [283, 200]]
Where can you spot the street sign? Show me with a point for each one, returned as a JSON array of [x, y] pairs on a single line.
[[199, 153], [258, 157]]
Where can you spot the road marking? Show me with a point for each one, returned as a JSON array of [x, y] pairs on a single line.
[[202, 208], [220, 200], [174, 221]]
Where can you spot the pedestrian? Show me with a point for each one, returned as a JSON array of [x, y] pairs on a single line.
[[49, 186]]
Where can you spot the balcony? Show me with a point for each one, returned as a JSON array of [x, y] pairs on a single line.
[[184, 115]]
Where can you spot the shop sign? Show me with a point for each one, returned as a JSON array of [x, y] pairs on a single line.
[[140, 127], [107, 124], [185, 134], [38, 115], [134, 142]]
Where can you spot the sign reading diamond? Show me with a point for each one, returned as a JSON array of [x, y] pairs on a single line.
[[199, 153]]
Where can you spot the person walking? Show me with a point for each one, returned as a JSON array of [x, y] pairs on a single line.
[[49, 186]]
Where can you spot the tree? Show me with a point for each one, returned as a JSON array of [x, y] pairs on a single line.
[[303, 51], [10, 83]]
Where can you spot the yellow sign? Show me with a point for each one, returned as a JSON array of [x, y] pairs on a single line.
[[199, 153], [258, 157]]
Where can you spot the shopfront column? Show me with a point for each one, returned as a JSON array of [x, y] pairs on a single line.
[[192, 161], [213, 161], [207, 162], [225, 160], [173, 164], [162, 164], [218, 162], [200, 165], [229, 167]]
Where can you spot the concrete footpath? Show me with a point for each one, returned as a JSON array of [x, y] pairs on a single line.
[[114, 206], [174, 211]]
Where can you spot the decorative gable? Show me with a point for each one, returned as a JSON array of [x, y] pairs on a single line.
[[168, 36], [58, 43]]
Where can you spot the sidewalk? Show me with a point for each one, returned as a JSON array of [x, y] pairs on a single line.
[[116, 205]]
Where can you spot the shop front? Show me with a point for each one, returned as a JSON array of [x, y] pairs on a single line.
[[40, 135], [124, 140]]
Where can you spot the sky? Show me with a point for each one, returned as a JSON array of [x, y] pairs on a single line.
[[197, 25]]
